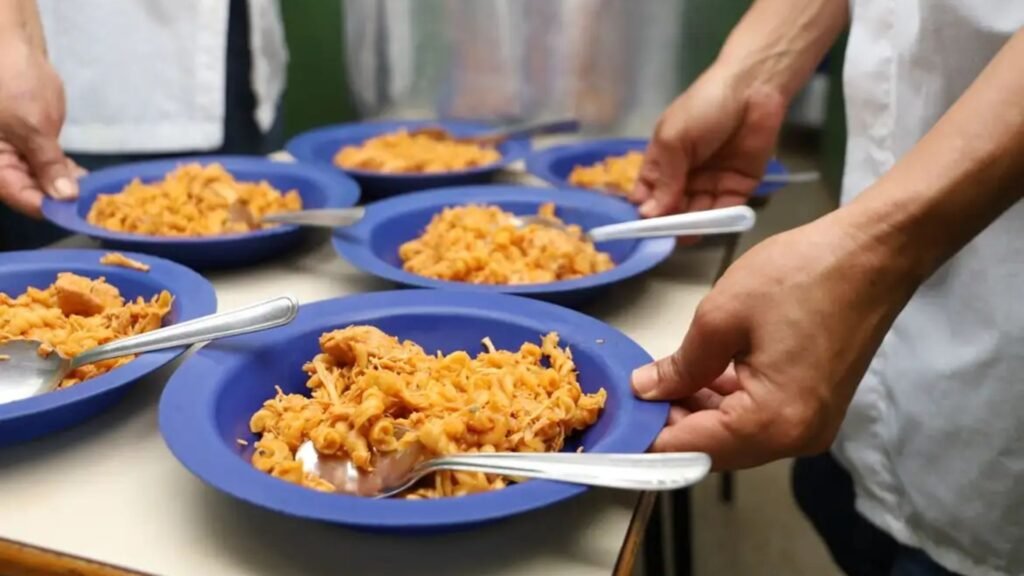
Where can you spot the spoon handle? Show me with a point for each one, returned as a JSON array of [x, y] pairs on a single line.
[[718, 221], [560, 126], [668, 471], [791, 178], [324, 218], [269, 314]]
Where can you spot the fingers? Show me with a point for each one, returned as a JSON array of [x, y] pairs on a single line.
[[704, 399], [76, 171], [49, 165], [727, 383], [701, 432], [53, 171], [17, 187], [716, 336], [662, 180], [727, 186]]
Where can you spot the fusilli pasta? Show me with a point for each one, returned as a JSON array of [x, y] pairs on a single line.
[[616, 174], [372, 394], [401, 152], [481, 245], [192, 200], [75, 314]]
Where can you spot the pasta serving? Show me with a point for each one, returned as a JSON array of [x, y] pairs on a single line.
[[372, 394], [402, 153], [482, 245], [75, 314], [192, 200], [616, 174]]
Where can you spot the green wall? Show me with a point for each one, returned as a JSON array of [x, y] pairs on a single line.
[[317, 93]]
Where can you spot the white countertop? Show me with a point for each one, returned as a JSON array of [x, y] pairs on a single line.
[[110, 490]]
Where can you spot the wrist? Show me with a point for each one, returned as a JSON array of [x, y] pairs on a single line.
[[779, 43], [20, 26], [748, 71], [887, 233]]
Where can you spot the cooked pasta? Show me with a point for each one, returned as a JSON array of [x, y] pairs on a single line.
[[372, 394], [402, 153], [482, 245], [75, 314], [118, 259], [192, 200], [616, 174]]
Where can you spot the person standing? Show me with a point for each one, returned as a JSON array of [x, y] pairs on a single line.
[[887, 333]]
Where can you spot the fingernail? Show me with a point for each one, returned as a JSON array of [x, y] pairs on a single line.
[[64, 189], [645, 380], [648, 208]]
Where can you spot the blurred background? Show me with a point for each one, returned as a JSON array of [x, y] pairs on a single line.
[[615, 64]]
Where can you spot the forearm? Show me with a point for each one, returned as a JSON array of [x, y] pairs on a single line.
[[959, 178], [19, 21], [779, 43]]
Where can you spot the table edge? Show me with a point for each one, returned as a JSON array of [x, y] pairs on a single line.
[[21, 558]]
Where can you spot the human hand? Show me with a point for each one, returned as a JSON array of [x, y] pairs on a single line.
[[777, 348], [710, 146], [31, 115]]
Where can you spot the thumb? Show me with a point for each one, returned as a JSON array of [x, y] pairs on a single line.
[[47, 162], [716, 336]]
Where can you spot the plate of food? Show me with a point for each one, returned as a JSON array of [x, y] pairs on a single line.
[[73, 300], [358, 376], [201, 211], [464, 238], [610, 166], [389, 157]]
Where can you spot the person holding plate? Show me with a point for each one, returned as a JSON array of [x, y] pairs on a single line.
[[886, 334], [142, 80]]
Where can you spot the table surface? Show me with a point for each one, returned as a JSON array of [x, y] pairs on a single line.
[[111, 491]]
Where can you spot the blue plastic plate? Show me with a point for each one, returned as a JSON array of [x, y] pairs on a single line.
[[207, 404], [318, 187], [193, 297], [372, 244], [319, 146], [553, 165]]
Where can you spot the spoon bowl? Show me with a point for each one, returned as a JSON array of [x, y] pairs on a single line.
[[27, 371], [30, 368]]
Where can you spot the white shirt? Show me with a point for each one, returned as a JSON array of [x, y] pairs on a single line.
[[935, 436], [149, 76]]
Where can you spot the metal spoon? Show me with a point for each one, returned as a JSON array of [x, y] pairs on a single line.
[[321, 218], [495, 137], [791, 178], [397, 472], [25, 373], [718, 221]]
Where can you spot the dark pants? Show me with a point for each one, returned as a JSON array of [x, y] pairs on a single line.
[[241, 136], [824, 492]]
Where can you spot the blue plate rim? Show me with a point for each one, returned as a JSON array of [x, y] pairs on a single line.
[[538, 162], [199, 299], [194, 438], [345, 193], [300, 147], [350, 242]]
